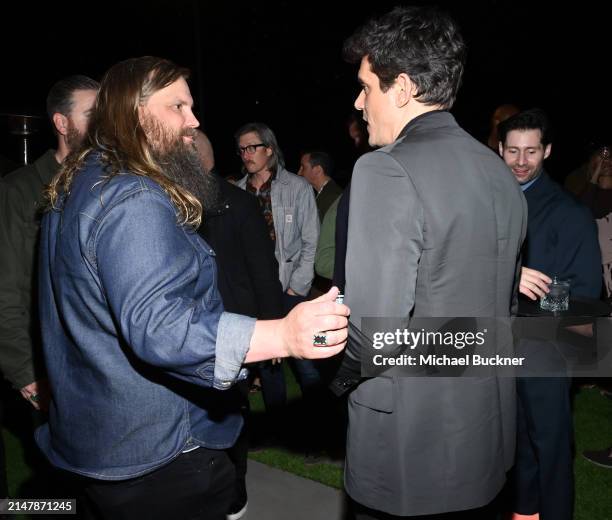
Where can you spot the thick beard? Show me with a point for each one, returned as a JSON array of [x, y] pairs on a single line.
[[74, 139], [179, 162]]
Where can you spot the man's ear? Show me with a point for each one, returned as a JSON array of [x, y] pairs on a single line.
[[501, 148], [405, 89], [547, 150], [60, 122], [318, 169]]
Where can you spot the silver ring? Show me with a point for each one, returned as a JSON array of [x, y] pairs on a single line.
[[319, 339], [34, 398]]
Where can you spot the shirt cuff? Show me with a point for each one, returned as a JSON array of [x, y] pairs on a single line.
[[234, 334], [22, 378]]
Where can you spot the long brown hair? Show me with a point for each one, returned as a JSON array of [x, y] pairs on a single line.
[[116, 133]]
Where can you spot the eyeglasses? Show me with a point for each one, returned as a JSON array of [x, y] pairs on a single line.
[[250, 149]]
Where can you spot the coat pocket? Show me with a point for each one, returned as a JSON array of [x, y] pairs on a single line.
[[285, 269], [289, 230], [376, 394]]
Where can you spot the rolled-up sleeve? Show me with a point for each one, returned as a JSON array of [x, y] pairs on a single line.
[[233, 339]]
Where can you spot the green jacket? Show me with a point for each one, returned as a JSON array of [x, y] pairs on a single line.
[[326, 250], [327, 196], [21, 198]]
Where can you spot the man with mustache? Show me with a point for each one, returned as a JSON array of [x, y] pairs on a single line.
[[288, 205], [138, 347]]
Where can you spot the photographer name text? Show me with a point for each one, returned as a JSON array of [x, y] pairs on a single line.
[[410, 360]]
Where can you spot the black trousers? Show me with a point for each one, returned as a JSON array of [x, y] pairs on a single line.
[[543, 476], [239, 452], [489, 512], [196, 485]]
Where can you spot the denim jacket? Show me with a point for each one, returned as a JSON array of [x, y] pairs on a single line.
[[296, 223], [132, 321]]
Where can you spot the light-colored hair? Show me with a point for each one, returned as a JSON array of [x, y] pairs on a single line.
[[116, 132], [267, 137]]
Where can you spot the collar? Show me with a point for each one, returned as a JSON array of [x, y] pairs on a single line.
[[270, 179], [323, 186], [528, 185], [47, 166], [433, 118]]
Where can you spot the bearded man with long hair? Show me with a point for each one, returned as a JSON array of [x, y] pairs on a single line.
[[139, 350]]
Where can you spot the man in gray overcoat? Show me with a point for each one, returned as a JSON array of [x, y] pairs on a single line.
[[435, 228]]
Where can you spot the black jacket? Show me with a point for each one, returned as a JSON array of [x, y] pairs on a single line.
[[562, 238], [246, 266]]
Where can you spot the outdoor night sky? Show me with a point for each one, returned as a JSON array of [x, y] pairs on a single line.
[[280, 62]]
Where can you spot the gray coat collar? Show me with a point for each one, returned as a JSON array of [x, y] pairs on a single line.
[[428, 121]]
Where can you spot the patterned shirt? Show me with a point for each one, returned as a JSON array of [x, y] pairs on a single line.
[[264, 196]]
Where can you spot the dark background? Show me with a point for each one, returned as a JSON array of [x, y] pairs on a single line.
[[280, 62]]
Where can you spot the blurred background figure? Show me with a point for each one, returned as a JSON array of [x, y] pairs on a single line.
[[205, 151], [247, 279], [358, 132], [288, 206], [6, 165], [598, 139], [69, 103], [597, 195], [501, 113], [317, 168]]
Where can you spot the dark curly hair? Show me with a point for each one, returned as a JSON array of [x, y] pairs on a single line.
[[422, 42], [532, 119]]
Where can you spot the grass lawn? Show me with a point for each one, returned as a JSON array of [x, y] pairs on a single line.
[[593, 430]]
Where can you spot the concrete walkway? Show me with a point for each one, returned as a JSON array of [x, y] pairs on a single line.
[[275, 494]]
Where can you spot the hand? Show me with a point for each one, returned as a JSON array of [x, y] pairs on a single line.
[[585, 329], [600, 165], [321, 315], [37, 394], [291, 292], [595, 168], [534, 284]]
